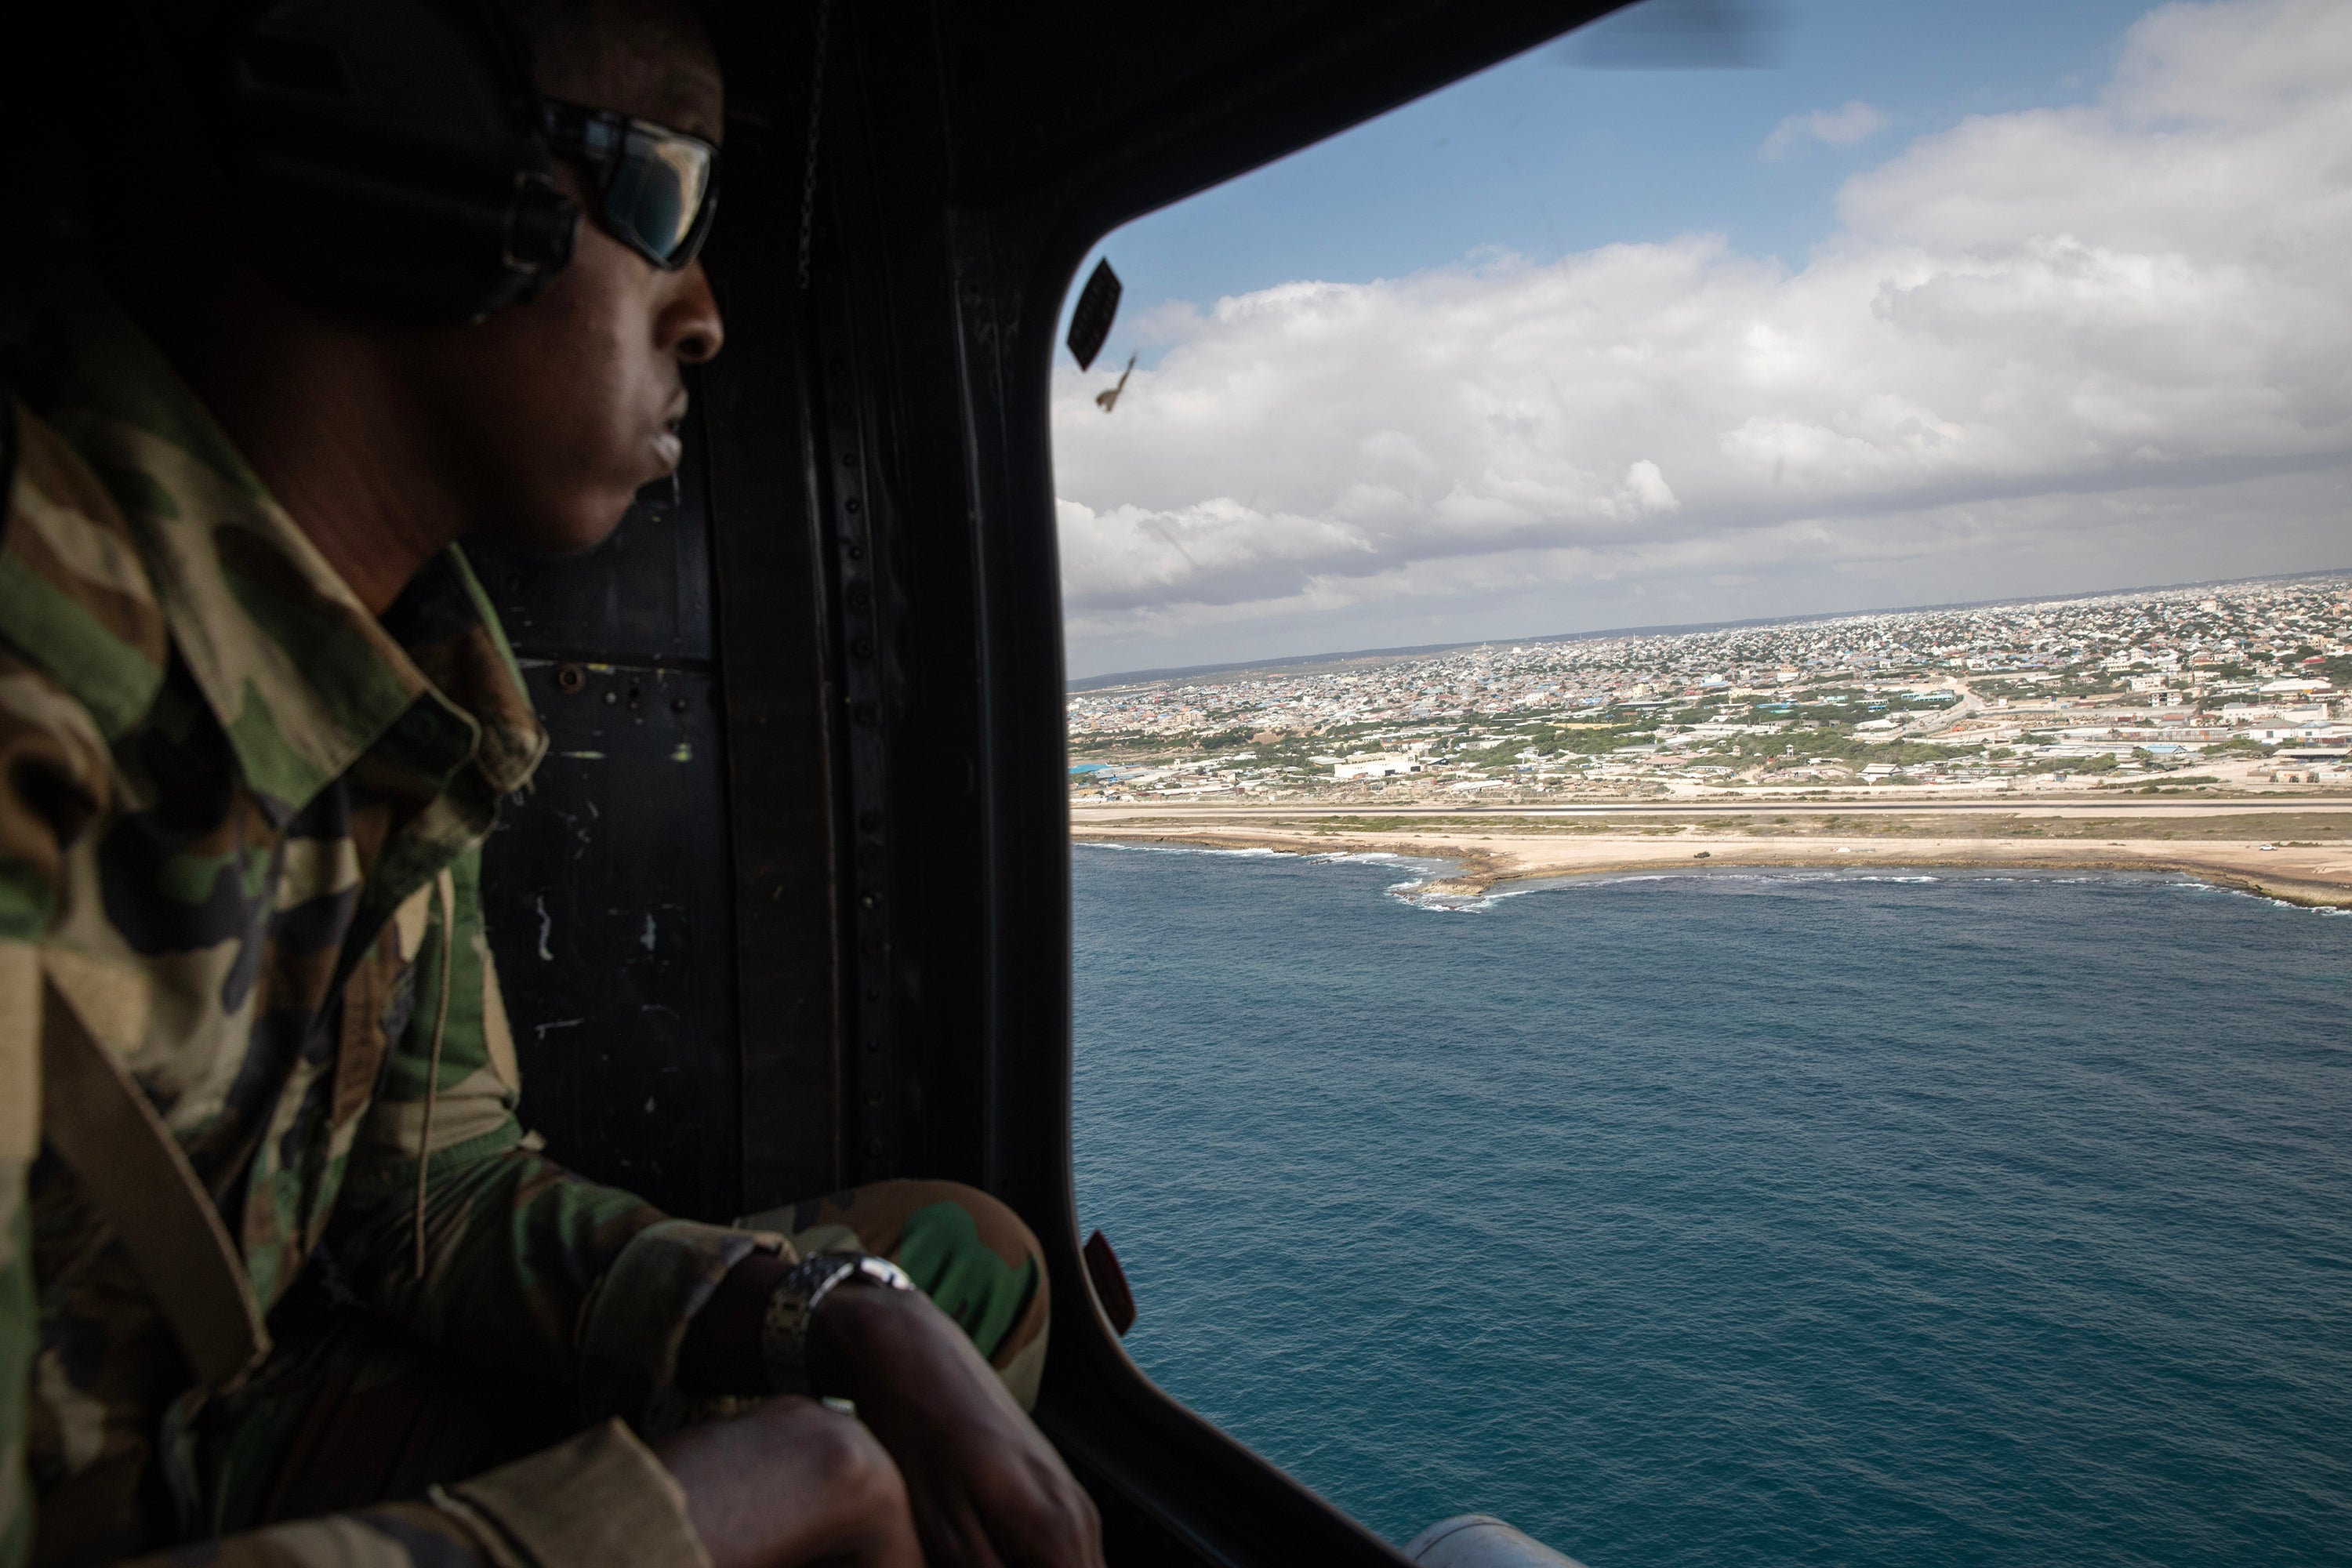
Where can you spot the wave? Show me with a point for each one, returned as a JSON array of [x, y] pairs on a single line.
[[2283, 904], [1428, 870], [1569, 882], [1188, 849]]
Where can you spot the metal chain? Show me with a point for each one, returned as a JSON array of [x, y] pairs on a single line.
[[816, 116]]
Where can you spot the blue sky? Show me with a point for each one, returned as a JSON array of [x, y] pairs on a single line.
[[1946, 303], [1543, 157]]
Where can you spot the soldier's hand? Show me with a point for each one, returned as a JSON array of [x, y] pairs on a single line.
[[792, 1483], [986, 1489]]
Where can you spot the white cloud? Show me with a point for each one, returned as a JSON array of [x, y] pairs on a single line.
[[2062, 349], [1857, 121]]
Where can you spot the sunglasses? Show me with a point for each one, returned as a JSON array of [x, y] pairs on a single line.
[[656, 188]]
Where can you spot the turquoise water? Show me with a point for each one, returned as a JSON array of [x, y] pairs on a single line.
[[1725, 1220]]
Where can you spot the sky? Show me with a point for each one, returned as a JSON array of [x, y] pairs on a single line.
[[1933, 304]]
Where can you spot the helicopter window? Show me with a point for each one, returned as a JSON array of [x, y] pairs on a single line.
[[1535, 481]]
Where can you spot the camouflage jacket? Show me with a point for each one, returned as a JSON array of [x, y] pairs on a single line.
[[231, 792]]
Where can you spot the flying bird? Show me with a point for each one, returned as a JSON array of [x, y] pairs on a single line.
[[1109, 400]]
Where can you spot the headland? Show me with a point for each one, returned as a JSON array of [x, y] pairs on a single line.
[[2297, 850]]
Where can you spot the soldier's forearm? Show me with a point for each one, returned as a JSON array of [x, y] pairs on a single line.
[[720, 1354]]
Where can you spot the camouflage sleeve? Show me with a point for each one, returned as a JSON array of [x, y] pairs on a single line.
[[600, 1500], [526, 1267], [399, 1535], [17, 1322], [55, 780]]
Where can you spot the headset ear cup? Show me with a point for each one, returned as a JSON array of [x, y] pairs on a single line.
[[385, 160], [543, 229]]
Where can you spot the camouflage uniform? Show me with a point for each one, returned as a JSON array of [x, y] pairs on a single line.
[[240, 829]]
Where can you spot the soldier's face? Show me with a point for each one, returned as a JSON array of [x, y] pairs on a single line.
[[560, 410]]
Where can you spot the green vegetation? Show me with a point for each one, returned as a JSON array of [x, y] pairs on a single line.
[[1845, 748], [2071, 764], [1551, 740]]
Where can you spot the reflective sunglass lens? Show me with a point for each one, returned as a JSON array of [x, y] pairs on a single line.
[[657, 191], [656, 185]]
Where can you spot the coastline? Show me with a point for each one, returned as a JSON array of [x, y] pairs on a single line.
[[2310, 870]]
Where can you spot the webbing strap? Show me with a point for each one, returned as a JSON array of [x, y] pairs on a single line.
[[142, 1184]]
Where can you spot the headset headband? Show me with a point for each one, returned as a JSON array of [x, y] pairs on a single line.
[[386, 157]]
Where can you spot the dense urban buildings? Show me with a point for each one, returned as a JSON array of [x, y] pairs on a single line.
[[2240, 686]]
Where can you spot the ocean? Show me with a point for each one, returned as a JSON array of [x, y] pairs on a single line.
[[1785, 1217]]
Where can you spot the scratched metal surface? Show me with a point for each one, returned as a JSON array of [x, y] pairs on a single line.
[[606, 885]]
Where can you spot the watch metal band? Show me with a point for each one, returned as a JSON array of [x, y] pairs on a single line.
[[783, 1334]]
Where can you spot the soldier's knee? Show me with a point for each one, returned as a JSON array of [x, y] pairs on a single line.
[[996, 1225], [983, 1265]]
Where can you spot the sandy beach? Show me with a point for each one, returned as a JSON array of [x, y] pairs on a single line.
[[2301, 854]]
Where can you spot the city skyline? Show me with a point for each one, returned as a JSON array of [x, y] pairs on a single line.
[[1756, 622], [2075, 693]]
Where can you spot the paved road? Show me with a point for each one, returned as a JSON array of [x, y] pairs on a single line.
[[1970, 703]]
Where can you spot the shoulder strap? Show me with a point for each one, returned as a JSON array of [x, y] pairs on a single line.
[[7, 451], [140, 1182]]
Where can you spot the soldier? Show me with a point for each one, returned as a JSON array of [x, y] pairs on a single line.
[[282, 1279]]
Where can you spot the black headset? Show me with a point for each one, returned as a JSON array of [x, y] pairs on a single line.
[[386, 157]]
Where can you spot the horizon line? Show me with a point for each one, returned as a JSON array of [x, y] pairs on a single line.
[[1146, 677]]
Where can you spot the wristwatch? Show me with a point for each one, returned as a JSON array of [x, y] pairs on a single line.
[[783, 1332]]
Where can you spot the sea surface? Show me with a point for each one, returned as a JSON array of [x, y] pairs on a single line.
[[1787, 1218]]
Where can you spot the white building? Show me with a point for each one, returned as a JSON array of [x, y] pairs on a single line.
[[1378, 767]]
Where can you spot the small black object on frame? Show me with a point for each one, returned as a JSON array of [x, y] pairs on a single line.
[[1090, 323]]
